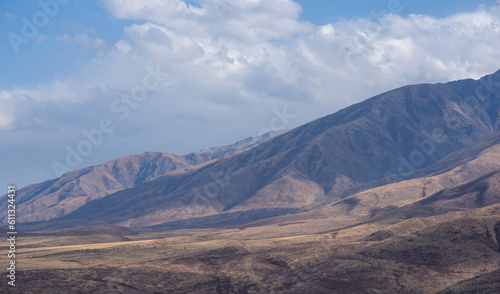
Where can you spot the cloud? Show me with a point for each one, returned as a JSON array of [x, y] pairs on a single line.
[[77, 28], [41, 37], [61, 105], [5, 14], [84, 39], [91, 43], [66, 39], [230, 63], [81, 34], [251, 21], [224, 55]]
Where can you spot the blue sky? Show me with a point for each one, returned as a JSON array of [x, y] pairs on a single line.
[[321, 12], [40, 61], [228, 67]]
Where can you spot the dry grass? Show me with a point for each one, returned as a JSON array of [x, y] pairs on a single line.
[[268, 259]]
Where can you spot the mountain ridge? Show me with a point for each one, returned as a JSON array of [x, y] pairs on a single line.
[[319, 160], [57, 197]]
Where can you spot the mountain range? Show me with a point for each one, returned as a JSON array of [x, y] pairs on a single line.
[[58, 197], [376, 198], [397, 132]]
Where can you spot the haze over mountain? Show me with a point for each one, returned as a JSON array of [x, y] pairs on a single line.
[[399, 131]]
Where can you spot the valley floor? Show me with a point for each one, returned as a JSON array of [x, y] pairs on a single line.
[[455, 252]]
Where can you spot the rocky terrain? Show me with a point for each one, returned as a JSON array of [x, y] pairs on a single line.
[[58, 197]]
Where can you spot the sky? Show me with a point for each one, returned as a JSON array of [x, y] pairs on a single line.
[[83, 82]]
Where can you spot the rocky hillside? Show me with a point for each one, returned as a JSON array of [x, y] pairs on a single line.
[[58, 197], [400, 131]]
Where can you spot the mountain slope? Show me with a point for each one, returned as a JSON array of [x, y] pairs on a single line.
[[386, 134], [481, 192], [484, 284], [478, 193], [470, 164], [58, 197]]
